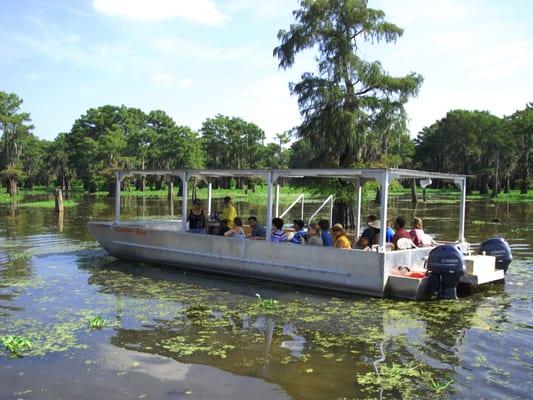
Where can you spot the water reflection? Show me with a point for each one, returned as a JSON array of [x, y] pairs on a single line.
[[168, 329]]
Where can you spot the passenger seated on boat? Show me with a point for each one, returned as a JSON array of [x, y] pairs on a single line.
[[389, 234], [324, 232], [223, 227], [258, 230], [196, 218], [236, 231], [372, 230], [401, 232], [278, 234], [341, 240], [229, 212], [362, 244], [299, 233], [417, 233], [313, 237]]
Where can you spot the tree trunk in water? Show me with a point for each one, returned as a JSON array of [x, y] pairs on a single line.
[[158, 183], [111, 189], [170, 194], [483, 184], [424, 195], [340, 213], [413, 191], [507, 185], [59, 200], [12, 186], [194, 189], [496, 181]]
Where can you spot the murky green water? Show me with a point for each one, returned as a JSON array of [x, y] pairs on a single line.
[[173, 334]]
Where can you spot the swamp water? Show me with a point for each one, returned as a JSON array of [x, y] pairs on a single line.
[[167, 333]]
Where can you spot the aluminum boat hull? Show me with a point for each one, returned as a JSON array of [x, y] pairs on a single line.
[[352, 271]]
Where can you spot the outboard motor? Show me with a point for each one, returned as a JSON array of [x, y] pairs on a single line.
[[446, 266], [499, 248]]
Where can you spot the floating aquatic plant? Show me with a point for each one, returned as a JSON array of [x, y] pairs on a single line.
[[16, 344], [437, 386], [267, 304], [96, 322], [19, 256]]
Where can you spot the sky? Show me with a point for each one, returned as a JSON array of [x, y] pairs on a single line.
[[197, 58]]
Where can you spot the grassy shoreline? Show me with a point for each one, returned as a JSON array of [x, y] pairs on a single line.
[[259, 196]]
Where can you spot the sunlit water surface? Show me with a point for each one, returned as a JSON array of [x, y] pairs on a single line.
[[174, 334]]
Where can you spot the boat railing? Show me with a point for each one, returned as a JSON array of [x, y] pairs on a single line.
[[324, 203], [300, 198]]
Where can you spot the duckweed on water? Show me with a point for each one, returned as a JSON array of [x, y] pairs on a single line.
[[267, 304], [181, 347], [96, 322], [407, 379], [16, 345], [19, 256]]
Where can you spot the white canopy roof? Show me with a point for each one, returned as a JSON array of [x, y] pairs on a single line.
[[345, 173]]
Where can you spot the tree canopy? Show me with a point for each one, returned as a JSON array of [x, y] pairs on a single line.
[[351, 107]]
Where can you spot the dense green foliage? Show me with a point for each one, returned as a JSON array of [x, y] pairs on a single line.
[[21, 151], [496, 151], [352, 116]]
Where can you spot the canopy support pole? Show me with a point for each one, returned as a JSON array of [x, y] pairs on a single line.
[[118, 181], [269, 206], [277, 200], [185, 188], [462, 211], [209, 194], [358, 208], [384, 197]]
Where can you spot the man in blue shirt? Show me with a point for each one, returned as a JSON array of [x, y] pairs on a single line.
[[326, 236], [299, 235]]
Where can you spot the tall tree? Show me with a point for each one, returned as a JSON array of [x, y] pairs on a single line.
[[15, 126], [348, 97], [522, 130]]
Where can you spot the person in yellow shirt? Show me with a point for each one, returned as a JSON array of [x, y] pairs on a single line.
[[229, 212], [341, 240]]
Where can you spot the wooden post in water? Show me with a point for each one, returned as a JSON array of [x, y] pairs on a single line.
[[170, 195], [58, 200]]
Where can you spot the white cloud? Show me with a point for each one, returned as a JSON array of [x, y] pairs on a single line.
[[185, 82], [202, 11]]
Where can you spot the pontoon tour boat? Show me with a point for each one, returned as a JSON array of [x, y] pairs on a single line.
[[435, 270]]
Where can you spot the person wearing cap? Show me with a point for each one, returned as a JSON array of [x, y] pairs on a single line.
[[341, 240], [417, 233], [299, 234], [372, 230]]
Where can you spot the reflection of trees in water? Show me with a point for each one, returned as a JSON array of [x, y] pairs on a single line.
[[339, 338]]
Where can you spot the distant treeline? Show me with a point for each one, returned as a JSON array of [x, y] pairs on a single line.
[[496, 151]]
